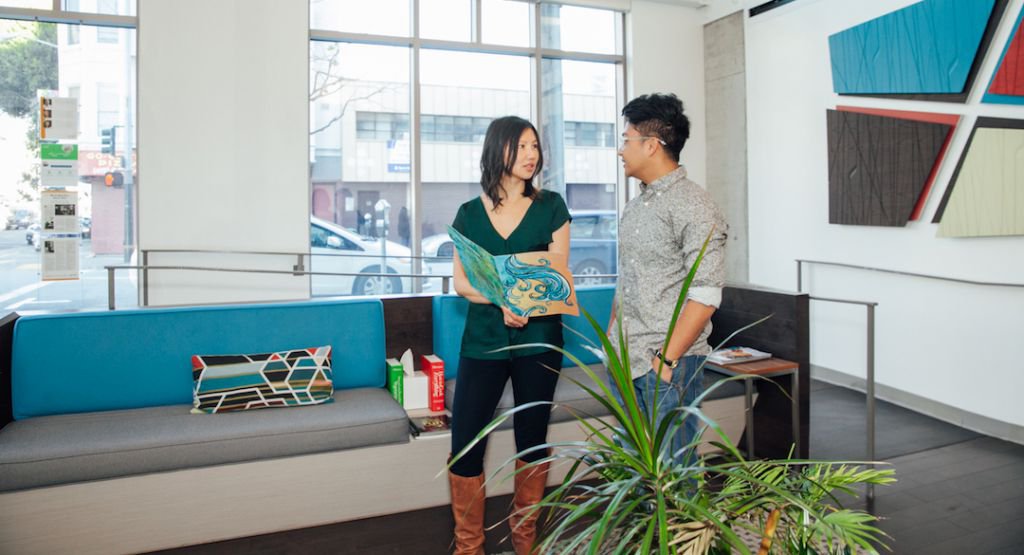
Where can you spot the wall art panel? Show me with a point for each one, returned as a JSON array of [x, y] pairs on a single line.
[[931, 50], [986, 194], [1007, 86], [880, 166]]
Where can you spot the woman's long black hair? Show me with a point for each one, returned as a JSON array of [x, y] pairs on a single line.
[[503, 136]]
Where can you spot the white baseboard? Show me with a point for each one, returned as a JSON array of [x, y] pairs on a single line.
[[940, 411]]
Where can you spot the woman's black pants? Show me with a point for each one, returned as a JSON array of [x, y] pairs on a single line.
[[477, 393]]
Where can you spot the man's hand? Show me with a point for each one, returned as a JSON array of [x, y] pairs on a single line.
[[663, 370], [512, 320]]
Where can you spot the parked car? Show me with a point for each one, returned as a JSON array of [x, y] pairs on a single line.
[[336, 249], [438, 250], [592, 247], [20, 219]]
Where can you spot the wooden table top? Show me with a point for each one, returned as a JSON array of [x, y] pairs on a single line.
[[759, 367]]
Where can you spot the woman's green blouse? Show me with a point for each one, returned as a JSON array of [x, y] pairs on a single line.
[[485, 325]]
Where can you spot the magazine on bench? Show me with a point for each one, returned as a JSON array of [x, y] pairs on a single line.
[[424, 423], [737, 355]]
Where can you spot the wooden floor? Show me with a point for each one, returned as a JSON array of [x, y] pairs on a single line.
[[958, 493]]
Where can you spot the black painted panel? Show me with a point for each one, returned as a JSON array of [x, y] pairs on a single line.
[[768, 6], [878, 166]]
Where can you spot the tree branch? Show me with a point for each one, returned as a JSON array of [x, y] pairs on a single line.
[[344, 106]]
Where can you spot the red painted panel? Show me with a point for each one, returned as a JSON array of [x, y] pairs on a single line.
[[948, 119], [1009, 80]]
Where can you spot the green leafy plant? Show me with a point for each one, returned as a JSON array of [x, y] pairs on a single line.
[[624, 492]]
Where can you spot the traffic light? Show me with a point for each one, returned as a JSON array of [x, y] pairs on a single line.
[[108, 140], [113, 179]]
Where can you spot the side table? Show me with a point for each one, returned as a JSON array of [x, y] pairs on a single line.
[[766, 368]]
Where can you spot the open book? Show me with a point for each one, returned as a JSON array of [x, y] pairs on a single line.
[[736, 355], [527, 283]]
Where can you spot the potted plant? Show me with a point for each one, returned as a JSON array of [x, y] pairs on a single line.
[[625, 493]]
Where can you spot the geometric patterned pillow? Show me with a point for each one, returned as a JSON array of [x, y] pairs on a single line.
[[225, 383]]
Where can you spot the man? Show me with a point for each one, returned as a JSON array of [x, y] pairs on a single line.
[[660, 235]]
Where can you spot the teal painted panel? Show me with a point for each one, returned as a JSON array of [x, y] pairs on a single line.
[[925, 48]]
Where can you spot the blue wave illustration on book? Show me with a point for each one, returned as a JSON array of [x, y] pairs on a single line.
[[528, 284], [537, 284]]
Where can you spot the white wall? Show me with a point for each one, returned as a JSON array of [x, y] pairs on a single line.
[[950, 343], [718, 9], [665, 54], [223, 117]]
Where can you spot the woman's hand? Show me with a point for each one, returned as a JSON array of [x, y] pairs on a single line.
[[512, 320]]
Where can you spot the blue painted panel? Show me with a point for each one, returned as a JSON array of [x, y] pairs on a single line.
[[90, 361], [926, 48], [1003, 99]]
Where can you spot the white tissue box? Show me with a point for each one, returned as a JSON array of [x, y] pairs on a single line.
[[416, 395]]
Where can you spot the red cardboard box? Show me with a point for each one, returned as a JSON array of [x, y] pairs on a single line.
[[433, 367]]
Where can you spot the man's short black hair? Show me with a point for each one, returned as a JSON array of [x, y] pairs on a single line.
[[661, 116]]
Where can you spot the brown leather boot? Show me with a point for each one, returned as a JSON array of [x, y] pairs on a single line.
[[529, 490], [468, 498]]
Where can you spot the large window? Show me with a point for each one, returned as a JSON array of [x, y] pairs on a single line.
[[579, 127], [399, 109], [64, 61], [470, 89], [359, 106]]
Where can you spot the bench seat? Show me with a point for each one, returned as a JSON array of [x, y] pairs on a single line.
[[68, 448], [99, 395]]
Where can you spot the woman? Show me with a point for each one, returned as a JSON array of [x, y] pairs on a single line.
[[511, 216]]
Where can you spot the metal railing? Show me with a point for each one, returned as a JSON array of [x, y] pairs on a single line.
[[111, 270], [869, 387], [870, 381], [298, 269], [800, 262]]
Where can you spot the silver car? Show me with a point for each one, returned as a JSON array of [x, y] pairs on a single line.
[[335, 249]]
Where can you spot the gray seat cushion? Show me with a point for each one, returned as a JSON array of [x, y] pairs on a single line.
[[60, 449], [571, 397]]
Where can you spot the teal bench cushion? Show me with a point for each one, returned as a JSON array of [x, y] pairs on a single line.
[[96, 361]]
